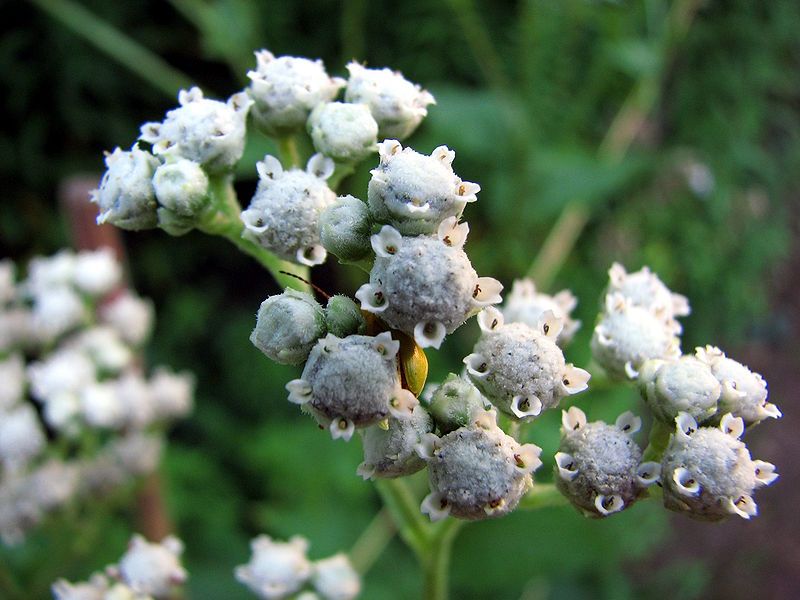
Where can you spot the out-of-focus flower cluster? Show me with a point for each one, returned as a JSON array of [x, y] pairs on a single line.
[[71, 380]]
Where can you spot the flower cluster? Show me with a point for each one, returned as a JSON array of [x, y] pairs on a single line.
[[69, 368], [147, 571], [282, 570]]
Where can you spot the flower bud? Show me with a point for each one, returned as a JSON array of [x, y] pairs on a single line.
[[276, 569], [709, 474], [97, 272], [96, 588], [525, 305], [152, 568], [21, 436], [12, 374], [131, 316], [627, 335], [744, 393], [343, 317], [598, 466], [390, 447], [414, 193], [454, 402], [644, 288], [683, 385], [345, 132], [284, 214], [287, 327], [520, 369], [208, 132], [425, 286], [352, 382], [334, 578], [476, 472], [125, 197], [345, 229], [397, 104], [181, 187]]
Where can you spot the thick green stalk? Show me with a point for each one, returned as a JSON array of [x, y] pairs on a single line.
[[288, 151], [372, 541], [660, 434], [436, 565], [404, 508], [223, 220]]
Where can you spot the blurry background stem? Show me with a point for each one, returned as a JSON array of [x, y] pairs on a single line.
[[625, 127]]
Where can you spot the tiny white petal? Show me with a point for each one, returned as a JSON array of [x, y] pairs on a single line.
[[527, 458], [299, 391], [607, 505], [744, 506], [312, 255], [566, 466], [371, 298], [733, 426], [573, 419], [531, 406], [575, 379], [648, 473], [452, 233], [485, 419], [685, 481], [444, 154], [388, 148], [435, 506], [386, 345], [487, 291], [320, 166], [342, 428], [490, 319], [387, 242], [429, 334], [550, 325], [476, 365], [426, 448], [765, 472], [366, 471], [630, 371], [269, 168], [402, 403], [629, 423]]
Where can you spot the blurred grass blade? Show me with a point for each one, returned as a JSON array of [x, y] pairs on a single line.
[[116, 44]]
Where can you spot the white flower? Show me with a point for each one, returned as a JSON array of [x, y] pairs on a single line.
[[8, 290], [97, 272], [181, 186], [130, 315], [208, 132], [53, 484], [48, 272], [136, 399], [100, 405], [425, 286], [16, 329], [345, 132], [172, 393], [521, 369], [644, 288], [598, 466], [137, 453], [65, 371], [94, 589], [55, 312], [627, 335], [21, 436], [276, 569], [125, 197], [709, 474], [413, 192], [476, 472], [285, 89], [12, 381], [153, 568], [334, 578], [352, 382], [687, 384], [105, 347], [397, 104], [525, 305], [284, 214]]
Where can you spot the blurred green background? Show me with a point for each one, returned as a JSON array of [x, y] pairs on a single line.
[[652, 132]]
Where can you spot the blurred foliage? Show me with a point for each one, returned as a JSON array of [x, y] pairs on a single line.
[[527, 92]]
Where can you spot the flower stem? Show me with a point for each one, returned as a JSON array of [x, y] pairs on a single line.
[[223, 220], [288, 152], [542, 495], [659, 439], [400, 502], [372, 541], [436, 565]]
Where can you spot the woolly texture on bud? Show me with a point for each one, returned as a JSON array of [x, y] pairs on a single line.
[[390, 447], [520, 369], [276, 569], [208, 132], [286, 88], [126, 197], [284, 214], [343, 317], [345, 132], [644, 288], [352, 382], [334, 578], [525, 305], [476, 472], [414, 193], [287, 327], [744, 393], [345, 229], [153, 568], [675, 386], [397, 104], [425, 286], [709, 474], [598, 466], [454, 402], [181, 187], [627, 335]]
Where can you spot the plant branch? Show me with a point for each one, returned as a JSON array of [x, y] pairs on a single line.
[[372, 541], [542, 495], [403, 507]]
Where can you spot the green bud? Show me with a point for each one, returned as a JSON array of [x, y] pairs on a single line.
[[288, 326], [345, 229], [343, 317], [454, 402]]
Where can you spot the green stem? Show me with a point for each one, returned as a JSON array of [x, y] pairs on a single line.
[[9, 588], [437, 564], [659, 439], [342, 170], [542, 495], [372, 541], [224, 220], [288, 152], [116, 44], [404, 508]]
